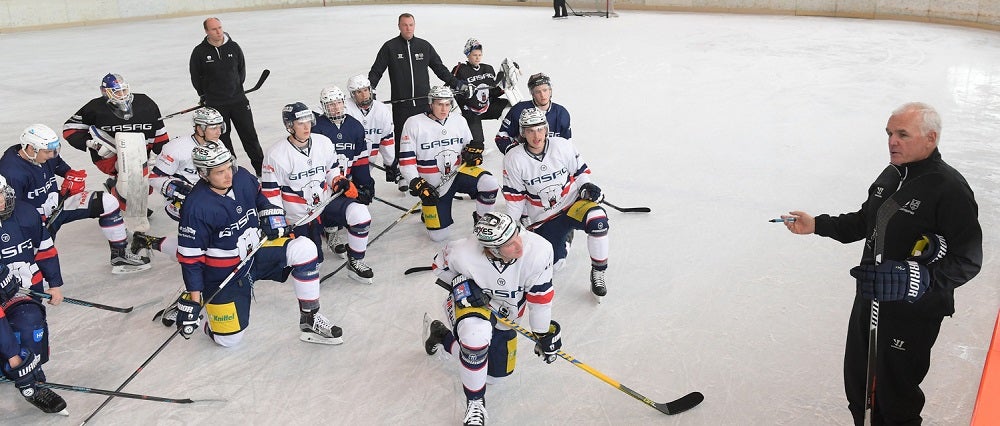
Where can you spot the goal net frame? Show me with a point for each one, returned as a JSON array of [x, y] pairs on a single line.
[[599, 8]]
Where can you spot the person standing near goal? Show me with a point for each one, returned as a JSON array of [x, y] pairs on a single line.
[[500, 270]]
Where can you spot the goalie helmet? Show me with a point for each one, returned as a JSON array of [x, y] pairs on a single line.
[[532, 117], [296, 112], [209, 156], [328, 99], [495, 229], [8, 199], [116, 92], [205, 116], [472, 44], [537, 80], [358, 83], [441, 92]]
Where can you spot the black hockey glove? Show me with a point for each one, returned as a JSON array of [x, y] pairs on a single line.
[[9, 284], [366, 193], [892, 281], [419, 187], [24, 375], [472, 154], [467, 293], [188, 315], [548, 343], [392, 174], [591, 192], [175, 190], [929, 248], [272, 223]]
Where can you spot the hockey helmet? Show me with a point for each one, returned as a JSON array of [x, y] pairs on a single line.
[[537, 80], [9, 284], [495, 229], [440, 92], [39, 136], [116, 92], [296, 112], [470, 45], [532, 117], [328, 99], [209, 156], [205, 117], [8, 199], [358, 83]]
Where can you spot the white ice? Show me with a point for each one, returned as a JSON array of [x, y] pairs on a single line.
[[716, 122]]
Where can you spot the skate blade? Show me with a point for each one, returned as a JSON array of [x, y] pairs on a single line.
[[439, 352], [360, 279], [63, 413], [129, 269], [310, 337]]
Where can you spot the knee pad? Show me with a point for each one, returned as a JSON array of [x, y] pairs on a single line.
[[300, 251], [596, 223], [487, 186], [101, 203], [359, 220]]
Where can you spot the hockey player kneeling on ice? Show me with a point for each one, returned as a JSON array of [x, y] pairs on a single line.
[[500, 270], [222, 220], [439, 160], [303, 170], [24, 343], [548, 182], [31, 169]]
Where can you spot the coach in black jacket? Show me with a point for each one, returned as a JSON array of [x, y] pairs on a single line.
[[408, 58], [922, 240], [217, 74]]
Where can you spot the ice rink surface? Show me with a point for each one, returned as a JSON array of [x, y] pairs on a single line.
[[716, 122]]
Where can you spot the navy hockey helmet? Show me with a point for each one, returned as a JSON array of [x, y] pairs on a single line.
[[470, 45], [296, 112], [495, 229], [116, 92], [8, 199], [537, 80]]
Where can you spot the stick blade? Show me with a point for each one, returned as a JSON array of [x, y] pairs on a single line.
[[681, 404], [416, 269]]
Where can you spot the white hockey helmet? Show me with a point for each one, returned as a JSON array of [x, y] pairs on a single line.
[[8, 199], [495, 229], [328, 99], [296, 112], [470, 45], [532, 117], [205, 116], [441, 92], [116, 92], [358, 83], [39, 136], [209, 156]]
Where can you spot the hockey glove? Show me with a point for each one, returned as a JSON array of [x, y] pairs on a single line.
[[928, 249], [176, 190], [419, 187], [467, 293], [73, 183], [366, 193], [272, 223], [472, 154], [464, 90], [102, 143], [188, 315], [340, 184], [9, 284], [591, 192], [24, 375], [392, 174], [892, 281], [546, 344]]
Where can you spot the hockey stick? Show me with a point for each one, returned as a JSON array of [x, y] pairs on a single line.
[[400, 219], [627, 209], [314, 210], [73, 301], [260, 82], [398, 101], [416, 269], [678, 405], [885, 212], [83, 389], [397, 206]]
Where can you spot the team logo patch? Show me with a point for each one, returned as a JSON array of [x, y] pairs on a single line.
[[878, 192], [418, 56], [444, 131], [399, 56], [5, 238], [501, 282], [340, 136], [911, 206], [239, 209], [38, 334]]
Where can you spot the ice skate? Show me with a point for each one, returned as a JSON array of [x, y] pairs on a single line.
[[45, 399], [433, 333], [126, 262], [597, 285], [359, 271], [336, 242], [142, 241], [317, 329], [475, 413]]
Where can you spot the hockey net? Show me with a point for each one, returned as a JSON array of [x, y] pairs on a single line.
[[599, 8]]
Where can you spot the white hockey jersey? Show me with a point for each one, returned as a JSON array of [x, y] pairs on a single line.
[[542, 186], [378, 129], [527, 282], [432, 150], [298, 181], [174, 161]]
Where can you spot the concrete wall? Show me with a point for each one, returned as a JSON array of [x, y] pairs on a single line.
[[19, 15]]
